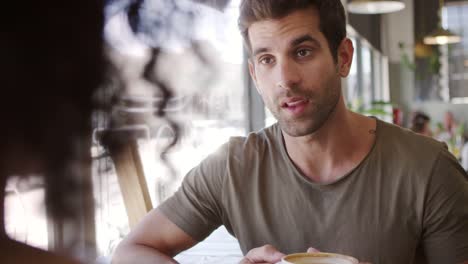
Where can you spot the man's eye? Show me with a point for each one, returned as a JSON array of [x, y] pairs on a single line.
[[303, 53], [266, 60]]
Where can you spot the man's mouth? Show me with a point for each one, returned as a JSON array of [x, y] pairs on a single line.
[[295, 106], [293, 102]]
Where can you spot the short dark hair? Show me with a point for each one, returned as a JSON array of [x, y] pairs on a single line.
[[331, 14], [419, 121]]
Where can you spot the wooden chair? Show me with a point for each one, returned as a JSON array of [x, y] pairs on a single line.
[[123, 149]]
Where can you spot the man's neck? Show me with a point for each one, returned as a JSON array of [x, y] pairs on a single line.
[[335, 149]]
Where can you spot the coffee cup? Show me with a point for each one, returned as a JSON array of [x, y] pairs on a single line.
[[318, 258]]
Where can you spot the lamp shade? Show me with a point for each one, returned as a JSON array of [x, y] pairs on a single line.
[[422, 50], [374, 6], [441, 36]]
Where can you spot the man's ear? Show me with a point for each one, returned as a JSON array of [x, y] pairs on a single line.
[[345, 57], [253, 75]]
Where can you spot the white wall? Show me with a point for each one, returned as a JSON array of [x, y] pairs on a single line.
[[399, 27]]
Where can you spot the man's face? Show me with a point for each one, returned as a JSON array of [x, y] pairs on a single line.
[[294, 71]]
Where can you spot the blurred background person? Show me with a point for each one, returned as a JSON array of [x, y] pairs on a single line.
[[464, 152], [52, 64], [447, 130], [451, 132], [450, 124], [421, 123]]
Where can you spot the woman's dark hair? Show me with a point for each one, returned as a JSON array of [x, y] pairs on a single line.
[[54, 72], [51, 65]]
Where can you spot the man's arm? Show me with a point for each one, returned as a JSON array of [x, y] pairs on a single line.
[[445, 223], [154, 240]]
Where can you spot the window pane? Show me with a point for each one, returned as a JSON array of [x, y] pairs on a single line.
[[456, 55], [366, 75], [352, 79], [377, 76], [208, 106], [25, 216]]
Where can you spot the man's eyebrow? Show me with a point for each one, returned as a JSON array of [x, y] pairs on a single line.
[[259, 50], [305, 38], [294, 42]]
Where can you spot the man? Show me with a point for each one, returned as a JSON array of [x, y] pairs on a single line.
[[322, 177]]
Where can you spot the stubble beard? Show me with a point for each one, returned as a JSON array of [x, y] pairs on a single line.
[[312, 121]]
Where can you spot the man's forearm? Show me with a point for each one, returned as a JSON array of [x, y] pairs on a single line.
[[132, 253]]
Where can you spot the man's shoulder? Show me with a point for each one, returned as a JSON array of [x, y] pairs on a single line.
[[255, 142], [399, 138], [240, 149], [402, 148]]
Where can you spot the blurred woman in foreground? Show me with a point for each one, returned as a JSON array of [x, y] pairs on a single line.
[[50, 68]]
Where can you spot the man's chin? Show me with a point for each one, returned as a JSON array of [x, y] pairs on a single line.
[[295, 129], [308, 125]]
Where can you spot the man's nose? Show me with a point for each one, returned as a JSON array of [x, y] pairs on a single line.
[[288, 74]]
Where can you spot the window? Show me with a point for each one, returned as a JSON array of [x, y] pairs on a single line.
[[366, 88], [367, 85], [25, 214], [352, 84], [456, 55], [209, 107]]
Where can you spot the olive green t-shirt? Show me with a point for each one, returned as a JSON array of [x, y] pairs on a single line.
[[405, 202]]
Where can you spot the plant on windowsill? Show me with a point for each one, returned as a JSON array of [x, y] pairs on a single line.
[[380, 109]]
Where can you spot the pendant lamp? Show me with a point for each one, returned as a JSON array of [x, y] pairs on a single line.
[[441, 36], [371, 7]]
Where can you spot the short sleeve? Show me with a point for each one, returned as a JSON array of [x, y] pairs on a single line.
[[196, 206], [445, 224]]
